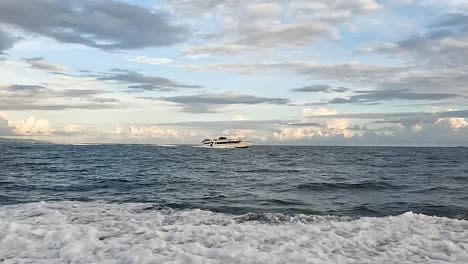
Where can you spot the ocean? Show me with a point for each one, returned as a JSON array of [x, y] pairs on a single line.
[[264, 204]]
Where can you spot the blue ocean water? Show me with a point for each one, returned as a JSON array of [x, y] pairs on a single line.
[[145, 204], [344, 181]]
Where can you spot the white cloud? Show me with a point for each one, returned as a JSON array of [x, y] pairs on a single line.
[[264, 8], [340, 126], [239, 118], [31, 126], [239, 133], [117, 131], [296, 133], [154, 132], [309, 112], [215, 49], [151, 60], [267, 25], [72, 128], [309, 7], [334, 126], [455, 122]]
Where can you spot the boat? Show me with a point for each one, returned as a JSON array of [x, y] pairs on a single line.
[[224, 142]]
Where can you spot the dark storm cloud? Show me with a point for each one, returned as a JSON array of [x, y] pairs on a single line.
[[108, 25], [144, 82], [379, 96], [209, 103], [320, 88]]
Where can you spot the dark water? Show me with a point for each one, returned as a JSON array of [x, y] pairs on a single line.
[[353, 181]]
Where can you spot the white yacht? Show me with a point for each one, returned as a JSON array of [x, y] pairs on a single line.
[[224, 142]]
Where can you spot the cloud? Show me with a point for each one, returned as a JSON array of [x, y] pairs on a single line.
[[443, 44], [390, 82], [438, 55], [344, 71], [335, 131], [108, 25], [403, 119], [443, 114], [143, 82], [390, 48], [31, 126], [437, 134], [6, 41], [439, 58], [333, 125], [300, 34], [239, 118], [208, 103], [139, 88], [153, 132], [303, 124], [322, 111], [450, 80], [229, 125], [320, 88], [42, 91], [5, 129], [264, 8], [299, 133], [38, 97], [72, 129], [216, 49], [455, 122], [41, 64], [35, 127], [272, 24], [379, 96], [411, 129], [452, 20], [151, 60]]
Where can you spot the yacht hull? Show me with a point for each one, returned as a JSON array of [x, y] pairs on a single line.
[[230, 146]]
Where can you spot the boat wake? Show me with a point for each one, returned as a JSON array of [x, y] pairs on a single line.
[[97, 232]]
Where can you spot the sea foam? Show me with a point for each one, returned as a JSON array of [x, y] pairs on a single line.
[[75, 232]]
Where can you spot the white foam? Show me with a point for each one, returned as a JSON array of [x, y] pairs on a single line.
[[72, 232]]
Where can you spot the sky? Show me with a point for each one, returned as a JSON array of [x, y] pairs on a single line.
[[317, 72]]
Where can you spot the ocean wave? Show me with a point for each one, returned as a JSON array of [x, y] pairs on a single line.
[[370, 185], [98, 232]]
